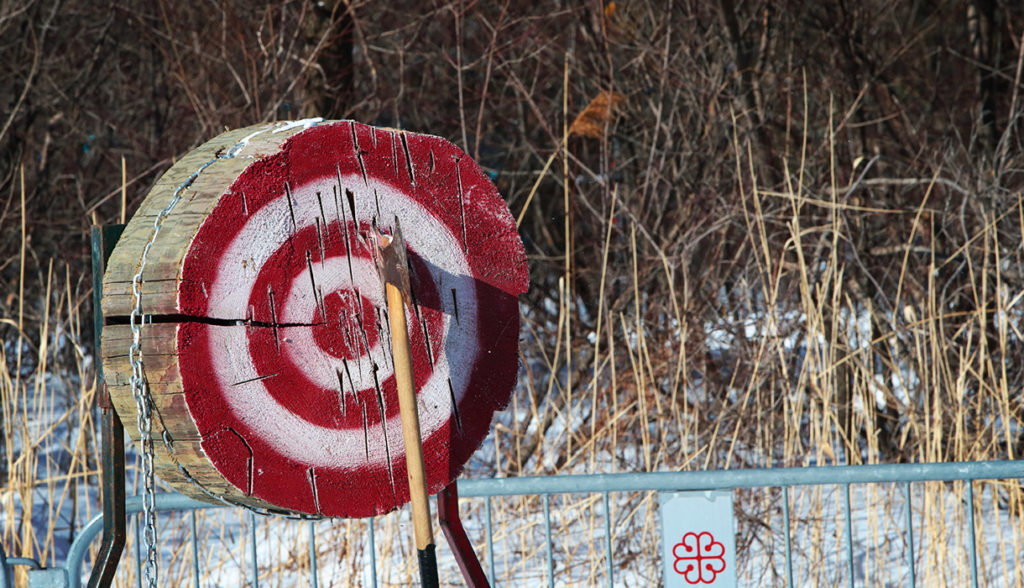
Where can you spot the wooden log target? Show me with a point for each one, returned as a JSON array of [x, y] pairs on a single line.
[[267, 350]]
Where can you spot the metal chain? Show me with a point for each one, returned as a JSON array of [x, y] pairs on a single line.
[[140, 386], [140, 390]]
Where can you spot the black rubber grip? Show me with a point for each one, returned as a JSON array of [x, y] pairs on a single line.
[[428, 566]]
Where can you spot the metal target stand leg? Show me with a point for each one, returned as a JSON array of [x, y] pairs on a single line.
[[112, 431], [451, 524]]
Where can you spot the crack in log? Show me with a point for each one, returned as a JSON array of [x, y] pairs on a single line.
[[154, 319], [273, 316], [366, 432], [365, 340], [455, 305], [341, 390], [462, 205], [316, 495], [323, 216], [351, 197], [394, 155], [344, 226], [455, 406], [423, 324], [291, 208], [351, 385], [384, 426], [358, 153], [317, 294], [382, 322], [256, 379], [346, 328], [408, 160], [250, 460], [320, 240]]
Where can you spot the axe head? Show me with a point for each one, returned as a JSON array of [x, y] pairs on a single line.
[[390, 259]]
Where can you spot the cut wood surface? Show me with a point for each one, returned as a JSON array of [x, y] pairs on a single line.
[[267, 346]]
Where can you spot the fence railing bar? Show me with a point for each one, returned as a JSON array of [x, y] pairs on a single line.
[[973, 543], [490, 542], [910, 536], [22, 561], [849, 534], [195, 550], [80, 548], [252, 551], [745, 478], [547, 536], [6, 571], [608, 539], [314, 581], [373, 554], [138, 554], [789, 540]]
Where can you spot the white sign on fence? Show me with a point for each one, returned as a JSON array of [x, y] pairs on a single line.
[[698, 535]]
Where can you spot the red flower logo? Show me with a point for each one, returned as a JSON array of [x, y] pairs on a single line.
[[699, 558]]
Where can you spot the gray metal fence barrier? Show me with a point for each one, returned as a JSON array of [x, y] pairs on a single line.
[[841, 477]]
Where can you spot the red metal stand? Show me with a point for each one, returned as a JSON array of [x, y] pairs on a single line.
[[451, 524]]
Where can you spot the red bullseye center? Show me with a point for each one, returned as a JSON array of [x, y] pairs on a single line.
[[349, 329]]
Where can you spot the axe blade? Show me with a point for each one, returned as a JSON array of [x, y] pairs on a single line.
[[389, 255]]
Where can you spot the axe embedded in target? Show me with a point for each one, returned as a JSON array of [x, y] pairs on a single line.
[[267, 347]]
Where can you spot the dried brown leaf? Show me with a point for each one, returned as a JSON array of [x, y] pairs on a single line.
[[597, 115]]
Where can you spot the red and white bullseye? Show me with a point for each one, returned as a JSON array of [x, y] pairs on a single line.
[[291, 383], [294, 422]]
